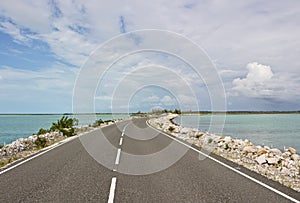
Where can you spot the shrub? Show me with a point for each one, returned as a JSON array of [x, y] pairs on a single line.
[[199, 135], [42, 131], [40, 142], [177, 111], [210, 140], [226, 146], [171, 128], [65, 125], [97, 123]]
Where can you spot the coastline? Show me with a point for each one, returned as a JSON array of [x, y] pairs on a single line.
[[283, 167], [24, 147]]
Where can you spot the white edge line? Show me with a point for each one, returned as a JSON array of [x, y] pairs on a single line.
[[39, 153], [229, 167], [112, 190], [45, 150], [118, 156]]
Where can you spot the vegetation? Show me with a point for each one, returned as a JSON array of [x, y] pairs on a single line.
[[97, 123], [177, 111], [42, 131], [199, 135], [1, 146], [65, 125], [40, 142], [226, 146], [160, 111], [171, 128], [210, 140]]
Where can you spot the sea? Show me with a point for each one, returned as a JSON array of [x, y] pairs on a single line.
[[273, 130], [13, 127]]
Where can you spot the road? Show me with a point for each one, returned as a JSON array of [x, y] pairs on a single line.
[[133, 169]]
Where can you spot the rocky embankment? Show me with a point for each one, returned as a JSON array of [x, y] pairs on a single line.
[[23, 147], [283, 167]]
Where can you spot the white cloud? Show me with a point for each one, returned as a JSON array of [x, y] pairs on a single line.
[[255, 83], [261, 82], [232, 35]]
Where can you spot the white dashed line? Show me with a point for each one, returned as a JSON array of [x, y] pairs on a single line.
[[112, 190], [118, 157], [121, 141]]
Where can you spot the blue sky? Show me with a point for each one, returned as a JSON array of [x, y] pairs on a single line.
[[254, 45]]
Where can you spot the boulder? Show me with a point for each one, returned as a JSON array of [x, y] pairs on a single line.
[[272, 160], [185, 130], [261, 159], [262, 151], [275, 151], [295, 157], [291, 150], [249, 149], [227, 139]]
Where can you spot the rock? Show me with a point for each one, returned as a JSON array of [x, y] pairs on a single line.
[[262, 151], [286, 154], [184, 130], [227, 139], [295, 157], [291, 150], [261, 159], [275, 151], [272, 160], [249, 149]]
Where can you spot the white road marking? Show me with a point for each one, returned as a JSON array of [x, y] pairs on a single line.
[[45, 150], [112, 190], [121, 141], [229, 167], [118, 157]]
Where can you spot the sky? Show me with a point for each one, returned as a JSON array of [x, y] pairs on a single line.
[[46, 47]]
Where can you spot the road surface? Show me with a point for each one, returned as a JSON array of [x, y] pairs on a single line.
[[68, 173]]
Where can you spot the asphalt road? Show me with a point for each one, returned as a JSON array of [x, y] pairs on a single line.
[[133, 163]]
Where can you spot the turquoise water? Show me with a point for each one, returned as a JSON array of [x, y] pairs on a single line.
[[13, 127], [274, 130]]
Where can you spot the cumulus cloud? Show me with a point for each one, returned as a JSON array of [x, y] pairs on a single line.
[[255, 83], [261, 82], [71, 29]]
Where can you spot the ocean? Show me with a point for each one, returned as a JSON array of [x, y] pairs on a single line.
[[273, 130], [13, 127]]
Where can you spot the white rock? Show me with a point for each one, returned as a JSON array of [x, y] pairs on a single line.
[[291, 150], [185, 130], [249, 149], [295, 157], [275, 151], [261, 159], [227, 139], [272, 160]]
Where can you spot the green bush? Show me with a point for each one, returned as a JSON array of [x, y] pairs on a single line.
[[40, 142], [97, 123], [177, 111], [210, 140], [1, 146], [199, 135], [171, 128], [42, 131], [65, 125], [226, 146]]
